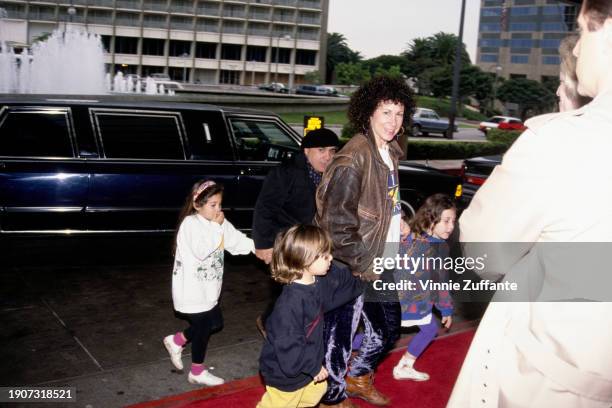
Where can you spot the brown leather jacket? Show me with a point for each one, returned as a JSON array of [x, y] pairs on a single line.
[[353, 203]]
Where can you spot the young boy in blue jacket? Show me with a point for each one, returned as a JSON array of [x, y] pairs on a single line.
[[291, 361]]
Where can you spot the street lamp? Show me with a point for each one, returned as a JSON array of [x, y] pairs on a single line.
[[457, 68], [283, 37], [498, 69]]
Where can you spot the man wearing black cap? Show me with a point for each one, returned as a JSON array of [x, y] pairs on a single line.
[[288, 195]]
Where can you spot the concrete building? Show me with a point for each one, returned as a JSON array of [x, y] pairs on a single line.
[[520, 38], [204, 41]]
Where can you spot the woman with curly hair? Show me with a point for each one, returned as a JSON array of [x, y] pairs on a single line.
[[358, 204]]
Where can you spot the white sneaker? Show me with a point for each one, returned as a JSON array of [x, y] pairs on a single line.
[[404, 372], [174, 350], [205, 378]]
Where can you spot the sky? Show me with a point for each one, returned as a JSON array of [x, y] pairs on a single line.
[[377, 27]]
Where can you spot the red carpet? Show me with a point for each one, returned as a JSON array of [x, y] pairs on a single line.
[[442, 360]]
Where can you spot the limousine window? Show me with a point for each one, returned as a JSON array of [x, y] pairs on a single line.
[[139, 135], [261, 140], [35, 133]]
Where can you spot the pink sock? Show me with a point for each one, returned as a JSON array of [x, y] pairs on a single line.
[[197, 369], [179, 339]]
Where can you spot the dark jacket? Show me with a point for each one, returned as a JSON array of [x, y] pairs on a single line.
[[353, 204], [294, 350], [286, 198]]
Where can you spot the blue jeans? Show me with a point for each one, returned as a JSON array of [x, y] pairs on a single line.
[[381, 322]]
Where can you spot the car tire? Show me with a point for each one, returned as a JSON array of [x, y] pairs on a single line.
[[416, 130], [425, 133]]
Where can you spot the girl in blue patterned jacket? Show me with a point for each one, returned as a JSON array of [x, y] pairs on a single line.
[[426, 247]]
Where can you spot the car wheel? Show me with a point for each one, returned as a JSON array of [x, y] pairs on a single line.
[[425, 133], [416, 130]]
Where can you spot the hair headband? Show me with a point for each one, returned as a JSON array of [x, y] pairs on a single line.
[[202, 187]]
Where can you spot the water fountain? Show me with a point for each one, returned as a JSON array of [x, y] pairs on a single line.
[[69, 61]]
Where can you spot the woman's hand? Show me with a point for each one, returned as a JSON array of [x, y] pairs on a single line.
[[322, 376], [447, 321]]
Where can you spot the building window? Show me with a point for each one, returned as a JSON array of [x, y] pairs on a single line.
[[556, 10], [255, 53], [126, 45], [149, 70], [523, 26], [491, 12], [519, 59], [521, 43], [550, 43], [524, 11], [206, 50], [557, 27], [305, 57], [490, 27], [233, 27], [155, 21], [208, 25], [229, 77], [231, 52], [551, 60], [153, 46], [106, 42], [281, 55], [490, 42], [488, 58], [179, 48]]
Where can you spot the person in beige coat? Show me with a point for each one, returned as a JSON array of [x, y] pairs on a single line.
[[554, 186]]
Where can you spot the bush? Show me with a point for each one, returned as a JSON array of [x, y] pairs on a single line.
[[503, 136], [422, 150], [473, 115]]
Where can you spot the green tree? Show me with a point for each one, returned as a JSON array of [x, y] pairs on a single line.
[[531, 96], [352, 73], [386, 63], [313, 77], [434, 51], [338, 52]]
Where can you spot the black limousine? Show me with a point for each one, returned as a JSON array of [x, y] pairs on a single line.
[[102, 166]]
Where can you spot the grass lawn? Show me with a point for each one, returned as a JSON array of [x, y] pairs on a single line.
[[442, 106]]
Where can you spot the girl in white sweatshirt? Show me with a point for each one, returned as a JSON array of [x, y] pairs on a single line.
[[203, 235]]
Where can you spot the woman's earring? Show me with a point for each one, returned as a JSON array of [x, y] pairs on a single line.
[[401, 132]]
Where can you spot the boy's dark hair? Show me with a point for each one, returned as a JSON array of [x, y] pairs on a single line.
[[597, 12], [366, 99], [296, 249], [430, 213]]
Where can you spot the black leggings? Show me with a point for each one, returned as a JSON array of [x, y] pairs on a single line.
[[201, 326]]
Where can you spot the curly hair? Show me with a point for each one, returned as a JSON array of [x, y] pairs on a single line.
[[366, 99], [430, 213], [296, 249]]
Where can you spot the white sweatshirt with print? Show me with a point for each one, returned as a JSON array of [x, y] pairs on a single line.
[[198, 263]]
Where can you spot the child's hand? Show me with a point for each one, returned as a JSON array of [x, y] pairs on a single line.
[[323, 374], [219, 218], [447, 321]]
